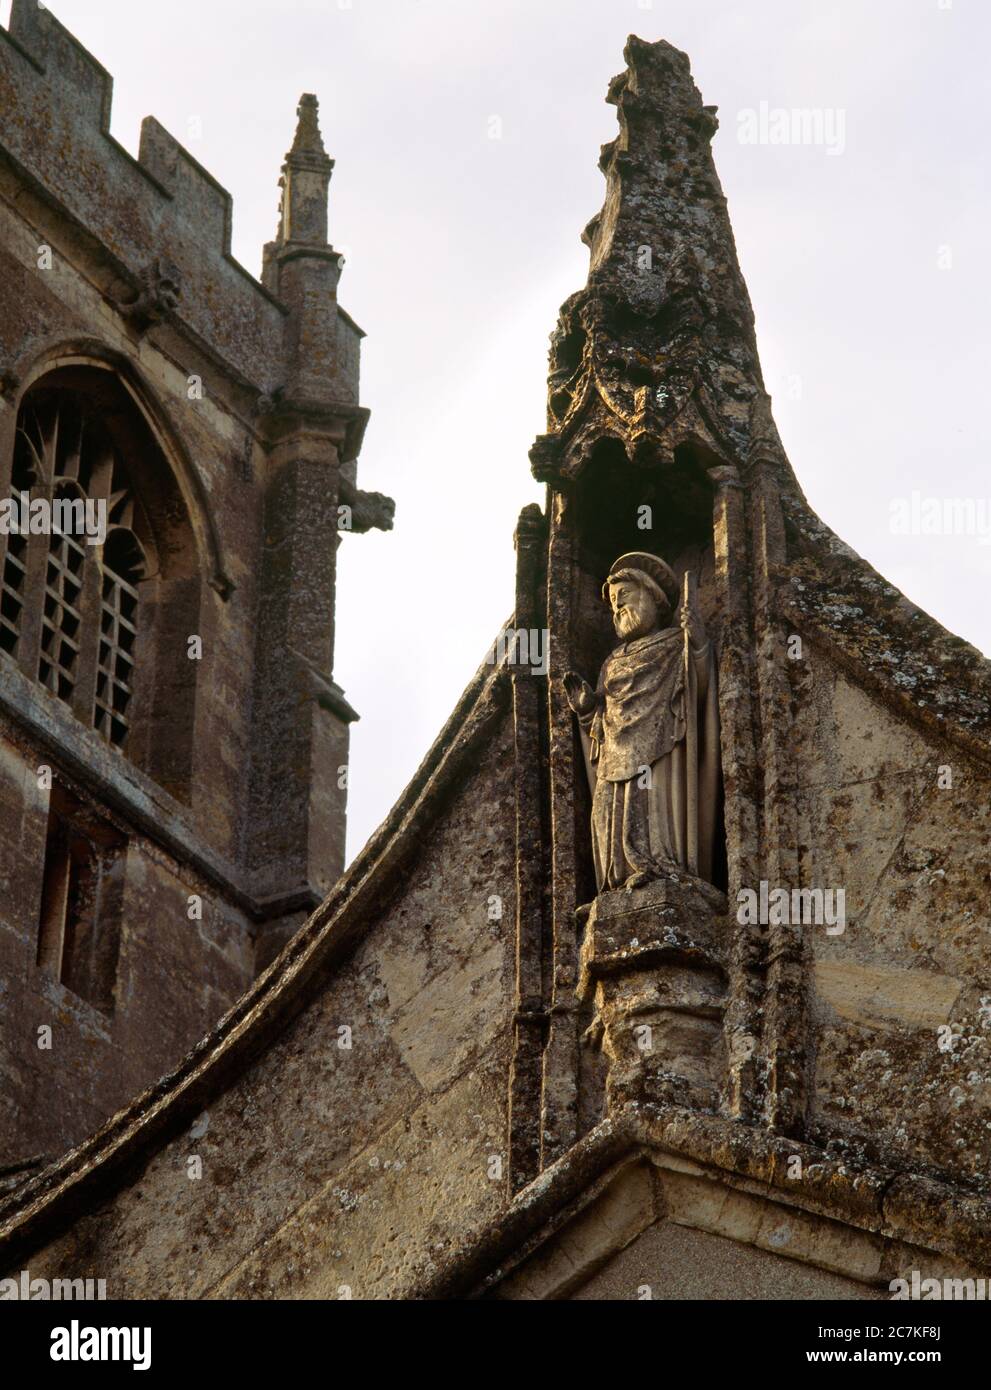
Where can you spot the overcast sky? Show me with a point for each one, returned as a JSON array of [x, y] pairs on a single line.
[[868, 269]]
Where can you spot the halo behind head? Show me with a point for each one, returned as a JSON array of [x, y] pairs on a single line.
[[641, 563]]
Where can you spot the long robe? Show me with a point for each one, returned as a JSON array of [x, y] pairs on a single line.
[[640, 823]]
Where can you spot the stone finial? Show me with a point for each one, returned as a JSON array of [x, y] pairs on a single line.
[[308, 139], [305, 181], [663, 191], [664, 324]]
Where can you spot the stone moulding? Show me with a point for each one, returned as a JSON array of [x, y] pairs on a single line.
[[343, 422], [872, 631], [899, 1207]]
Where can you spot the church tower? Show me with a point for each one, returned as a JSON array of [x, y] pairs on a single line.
[[173, 743]]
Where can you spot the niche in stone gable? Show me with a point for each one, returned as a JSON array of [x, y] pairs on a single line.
[[665, 509]]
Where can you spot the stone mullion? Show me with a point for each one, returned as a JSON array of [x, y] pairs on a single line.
[[530, 1015], [560, 1086], [741, 782], [29, 645], [90, 607], [8, 438], [787, 952]]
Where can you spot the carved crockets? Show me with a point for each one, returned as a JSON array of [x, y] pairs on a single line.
[[651, 732]]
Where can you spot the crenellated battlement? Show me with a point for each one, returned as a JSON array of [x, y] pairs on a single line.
[[176, 673], [198, 199], [40, 36], [55, 109]]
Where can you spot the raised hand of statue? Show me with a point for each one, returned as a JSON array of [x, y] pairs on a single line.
[[581, 696]]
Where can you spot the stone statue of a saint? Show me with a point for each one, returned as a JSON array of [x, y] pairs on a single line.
[[651, 729]]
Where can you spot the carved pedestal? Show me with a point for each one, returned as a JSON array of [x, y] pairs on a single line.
[[653, 962]]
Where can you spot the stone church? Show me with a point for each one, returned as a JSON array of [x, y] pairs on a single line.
[[669, 974]]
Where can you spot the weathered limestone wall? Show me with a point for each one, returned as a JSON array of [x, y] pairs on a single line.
[[326, 1166], [902, 998], [175, 977]]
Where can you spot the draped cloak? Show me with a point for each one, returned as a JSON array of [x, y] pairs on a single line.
[[640, 823]]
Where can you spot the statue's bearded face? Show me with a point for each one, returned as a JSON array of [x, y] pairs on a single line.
[[635, 610]]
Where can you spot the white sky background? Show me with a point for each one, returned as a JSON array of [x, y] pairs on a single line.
[[461, 249]]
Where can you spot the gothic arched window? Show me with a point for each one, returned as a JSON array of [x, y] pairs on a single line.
[[96, 598]]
